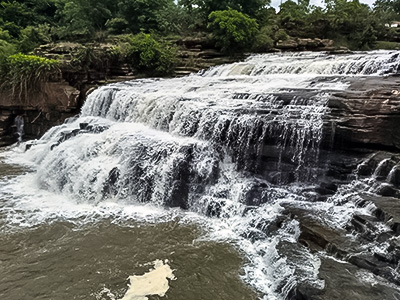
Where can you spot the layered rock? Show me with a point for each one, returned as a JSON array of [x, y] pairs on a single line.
[[366, 115], [307, 44], [41, 111]]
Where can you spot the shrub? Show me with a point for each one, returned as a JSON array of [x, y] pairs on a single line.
[[117, 25], [100, 59], [34, 36], [264, 39], [6, 49], [232, 31], [145, 54], [387, 45], [23, 74]]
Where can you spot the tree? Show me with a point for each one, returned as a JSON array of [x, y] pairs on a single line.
[[146, 15], [232, 31], [201, 9], [82, 18], [352, 21]]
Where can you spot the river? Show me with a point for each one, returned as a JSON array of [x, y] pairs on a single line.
[[213, 174]]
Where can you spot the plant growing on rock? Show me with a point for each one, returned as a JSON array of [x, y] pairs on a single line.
[[23, 74], [149, 56]]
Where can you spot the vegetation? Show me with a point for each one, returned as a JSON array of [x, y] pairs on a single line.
[[26, 73], [135, 28], [149, 56], [232, 30]]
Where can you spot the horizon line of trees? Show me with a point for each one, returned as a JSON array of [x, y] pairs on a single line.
[[29, 23], [143, 26]]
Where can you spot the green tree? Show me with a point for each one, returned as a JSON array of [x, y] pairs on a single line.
[[82, 18], [146, 15], [232, 31], [149, 56], [353, 22], [201, 9]]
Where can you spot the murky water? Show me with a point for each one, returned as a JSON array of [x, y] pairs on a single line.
[[60, 259]]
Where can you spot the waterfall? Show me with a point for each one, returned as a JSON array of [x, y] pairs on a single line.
[[231, 145], [19, 123]]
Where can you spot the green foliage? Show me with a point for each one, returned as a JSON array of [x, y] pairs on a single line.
[[34, 36], [5, 35], [387, 45], [6, 49], [232, 30], [199, 10], [352, 20], [147, 15], [99, 59], [27, 24], [23, 74], [117, 25], [264, 39], [145, 54]]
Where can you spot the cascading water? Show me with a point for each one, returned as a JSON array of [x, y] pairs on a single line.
[[19, 123], [231, 147]]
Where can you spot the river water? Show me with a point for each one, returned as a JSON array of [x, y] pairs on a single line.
[[194, 171], [56, 254]]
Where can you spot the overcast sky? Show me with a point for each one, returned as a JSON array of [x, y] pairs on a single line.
[[276, 3]]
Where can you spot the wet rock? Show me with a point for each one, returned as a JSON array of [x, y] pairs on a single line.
[[376, 266], [214, 208], [345, 281], [394, 176], [110, 185], [386, 190]]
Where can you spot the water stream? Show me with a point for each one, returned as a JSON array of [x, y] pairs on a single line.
[[197, 170]]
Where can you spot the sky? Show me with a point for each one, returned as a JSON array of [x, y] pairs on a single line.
[[276, 3]]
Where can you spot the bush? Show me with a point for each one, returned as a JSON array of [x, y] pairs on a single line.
[[145, 54], [264, 40], [6, 49], [34, 36], [23, 74], [117, 25], [232, 31], [387, 45]]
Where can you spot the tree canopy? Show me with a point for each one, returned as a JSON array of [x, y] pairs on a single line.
[[237, 25]]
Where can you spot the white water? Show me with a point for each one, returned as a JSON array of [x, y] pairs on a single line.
[[191, 143]]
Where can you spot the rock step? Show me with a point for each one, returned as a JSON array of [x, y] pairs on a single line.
[[345, 281], [387, 211], [352, 249]]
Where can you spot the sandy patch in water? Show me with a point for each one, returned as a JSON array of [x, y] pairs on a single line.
[[155, 282]]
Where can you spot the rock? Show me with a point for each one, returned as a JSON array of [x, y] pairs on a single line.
[[394, 176], [366, 115], [344, 281], [296, 44], [288, 44], [386, 190]]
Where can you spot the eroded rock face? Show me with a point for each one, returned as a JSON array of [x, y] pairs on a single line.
[[40, 111], [367, 115], [298, 44]]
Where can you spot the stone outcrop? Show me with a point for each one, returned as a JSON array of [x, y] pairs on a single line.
[[366, 115], [197, 54], [42, 110], [299, 44]]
